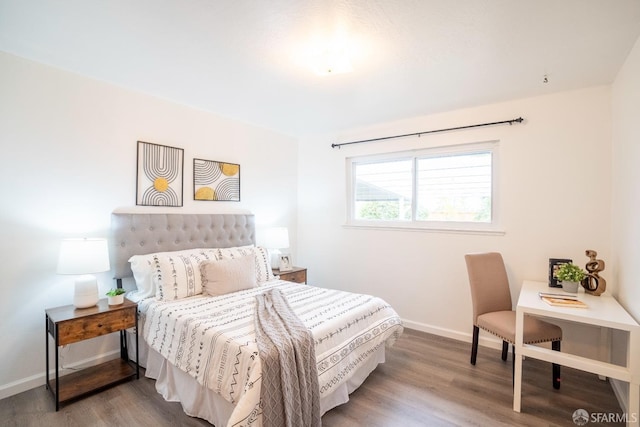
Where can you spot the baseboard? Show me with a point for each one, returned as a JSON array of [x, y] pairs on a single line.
[[38, 380], [487, 340]]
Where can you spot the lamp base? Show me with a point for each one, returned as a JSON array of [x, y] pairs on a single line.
[[86, 292], [274, 254]]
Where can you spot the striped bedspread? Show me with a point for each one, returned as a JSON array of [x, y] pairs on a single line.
[[213, 338]]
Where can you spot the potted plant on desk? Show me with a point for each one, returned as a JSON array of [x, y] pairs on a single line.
[[116, 296], [570, 275]]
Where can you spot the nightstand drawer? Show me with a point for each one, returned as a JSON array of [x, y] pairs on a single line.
[[82, 328], [298, 275]]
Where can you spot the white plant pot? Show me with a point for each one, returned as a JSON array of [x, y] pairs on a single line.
[[571, 287], [116, 300]]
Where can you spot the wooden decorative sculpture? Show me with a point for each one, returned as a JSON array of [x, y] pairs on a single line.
[[593, 283]]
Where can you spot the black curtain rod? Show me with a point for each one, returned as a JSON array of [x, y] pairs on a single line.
[[512, 121]]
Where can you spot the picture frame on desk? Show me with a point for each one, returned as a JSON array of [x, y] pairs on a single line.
[[285, 263], [554, 264]]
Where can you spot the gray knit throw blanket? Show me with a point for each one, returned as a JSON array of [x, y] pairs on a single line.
[[289, 393]]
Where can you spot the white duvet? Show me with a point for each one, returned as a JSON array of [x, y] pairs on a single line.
[[212, 338]]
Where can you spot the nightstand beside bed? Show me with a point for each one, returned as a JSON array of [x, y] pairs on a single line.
[[67, 325], [296, 274]]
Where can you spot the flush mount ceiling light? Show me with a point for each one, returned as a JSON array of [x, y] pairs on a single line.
[[330, 54], [331, 59]]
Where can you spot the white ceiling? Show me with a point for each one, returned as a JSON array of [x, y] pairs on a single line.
[[242, 58]]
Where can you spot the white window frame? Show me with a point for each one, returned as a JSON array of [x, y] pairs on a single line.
[[492, 227]]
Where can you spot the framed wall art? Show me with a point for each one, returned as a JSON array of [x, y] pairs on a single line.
[[554, 264], [216, 181], [160, 172]]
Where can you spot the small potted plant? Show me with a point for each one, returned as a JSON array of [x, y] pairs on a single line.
[[116, 296], [570, 275]]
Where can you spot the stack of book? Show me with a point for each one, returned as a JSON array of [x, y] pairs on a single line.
[[562, 299]]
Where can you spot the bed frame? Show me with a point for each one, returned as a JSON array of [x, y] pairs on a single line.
[[139, 234]]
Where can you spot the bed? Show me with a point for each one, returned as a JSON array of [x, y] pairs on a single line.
[[198, 332]]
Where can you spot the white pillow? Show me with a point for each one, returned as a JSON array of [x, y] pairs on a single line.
[[263, 263], [142, 272], [228, 275]]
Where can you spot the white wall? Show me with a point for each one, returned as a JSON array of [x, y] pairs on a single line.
[[69, 159], [626, 182], [626, 189], [555, 198]]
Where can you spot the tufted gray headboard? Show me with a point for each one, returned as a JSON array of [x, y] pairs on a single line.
[[138, 234]]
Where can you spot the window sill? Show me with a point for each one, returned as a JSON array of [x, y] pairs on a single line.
[[426, 229]]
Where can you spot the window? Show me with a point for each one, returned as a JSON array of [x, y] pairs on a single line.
[[451, 188], [384, 190]]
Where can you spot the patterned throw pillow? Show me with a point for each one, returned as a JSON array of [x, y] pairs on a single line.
[[177, 275]]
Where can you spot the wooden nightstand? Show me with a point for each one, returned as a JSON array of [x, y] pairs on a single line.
[[298, 274], [68, 324]]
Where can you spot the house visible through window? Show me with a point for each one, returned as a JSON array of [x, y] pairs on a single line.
[[440, 188]]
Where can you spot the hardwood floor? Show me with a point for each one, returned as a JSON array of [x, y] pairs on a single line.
[[426, 381]]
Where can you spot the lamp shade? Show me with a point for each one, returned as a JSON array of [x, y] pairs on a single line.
[[276, 238], [83, 256]]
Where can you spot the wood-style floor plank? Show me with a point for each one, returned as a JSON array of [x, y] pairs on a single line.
[[426, 381]]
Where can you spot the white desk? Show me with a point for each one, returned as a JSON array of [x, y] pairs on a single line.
[[603, 311]]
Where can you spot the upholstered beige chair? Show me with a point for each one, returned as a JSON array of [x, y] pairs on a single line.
[[493, 310]]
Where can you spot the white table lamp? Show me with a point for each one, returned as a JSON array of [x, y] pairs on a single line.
[[83, 257], [275, 239]]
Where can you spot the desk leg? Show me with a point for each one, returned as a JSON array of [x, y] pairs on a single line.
[[634, 408], [517, 379], [633, 405], [604, 351]]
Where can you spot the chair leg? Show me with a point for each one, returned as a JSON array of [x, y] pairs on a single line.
[[505, 350], [555, 345], [474, 344]]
